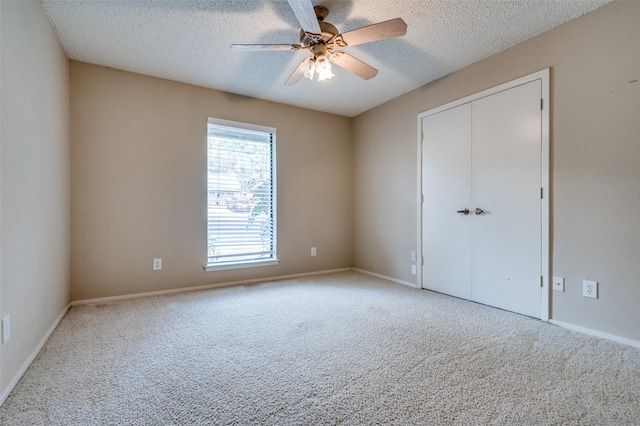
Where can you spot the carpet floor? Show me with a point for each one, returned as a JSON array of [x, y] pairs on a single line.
[[343, 348]]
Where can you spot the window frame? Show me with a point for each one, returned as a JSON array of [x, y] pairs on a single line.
[[242, 264]]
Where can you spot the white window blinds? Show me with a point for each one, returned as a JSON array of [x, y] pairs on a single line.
[[241, 225]]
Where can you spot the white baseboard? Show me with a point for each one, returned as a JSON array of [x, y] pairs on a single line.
[[202, 287], [29, 360], [384, 277], [596, 333]]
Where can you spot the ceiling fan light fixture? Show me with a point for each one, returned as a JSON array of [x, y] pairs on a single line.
[[323, 68], [318, 64], [310, 69]]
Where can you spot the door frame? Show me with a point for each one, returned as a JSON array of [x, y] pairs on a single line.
[[545, 272]]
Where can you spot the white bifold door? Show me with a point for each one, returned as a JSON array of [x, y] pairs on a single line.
[[482, 206]]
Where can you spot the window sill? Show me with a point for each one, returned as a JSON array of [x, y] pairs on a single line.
[[243, 265]]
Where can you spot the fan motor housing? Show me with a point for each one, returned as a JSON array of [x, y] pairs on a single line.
[[328, 32]]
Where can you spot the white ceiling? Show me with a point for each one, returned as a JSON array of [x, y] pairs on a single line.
[[188, 41]]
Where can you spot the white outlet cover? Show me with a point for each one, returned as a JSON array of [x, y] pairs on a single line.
[[157, 264], [590, 289], [6, 328], [558, 284]]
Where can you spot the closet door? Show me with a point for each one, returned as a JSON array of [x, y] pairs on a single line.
[[485, 156], [446, 185], [506, 238]]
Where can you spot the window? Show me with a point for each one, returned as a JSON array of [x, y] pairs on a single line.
[[241, 219]]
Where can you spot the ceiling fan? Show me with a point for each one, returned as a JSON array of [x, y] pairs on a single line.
[[323, 41]]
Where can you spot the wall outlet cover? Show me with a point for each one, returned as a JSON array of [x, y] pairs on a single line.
[[590, 289], [558, 284], [157, 264], [6, 328]]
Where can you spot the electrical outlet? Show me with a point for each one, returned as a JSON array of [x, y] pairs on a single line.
[[558, 284], [313, 251], [413, 256], [157, 264], [590, 289], [414, 270], [6, 328]]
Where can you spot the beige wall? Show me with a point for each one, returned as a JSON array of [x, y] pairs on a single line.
[[595, 155], [34, 176], [138, 171]]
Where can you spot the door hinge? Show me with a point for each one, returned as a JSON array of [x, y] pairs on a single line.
[[541, 103], [421, 136], [422, 199], [421, 260], [541, 281], [541, 193]]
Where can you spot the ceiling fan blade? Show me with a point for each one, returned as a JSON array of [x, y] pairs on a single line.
[[303, 9], [380, 31], [297, 74], [353, 65], [265, 47]]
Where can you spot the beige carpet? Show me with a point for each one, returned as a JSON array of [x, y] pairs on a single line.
[[342, 348]]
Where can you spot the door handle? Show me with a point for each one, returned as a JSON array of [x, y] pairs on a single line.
[[478, 211], [465, 211]]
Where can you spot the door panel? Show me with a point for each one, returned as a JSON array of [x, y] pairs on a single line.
[[506, 180], [446, 185]]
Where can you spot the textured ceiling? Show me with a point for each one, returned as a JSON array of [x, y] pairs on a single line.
[[188, 41]]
